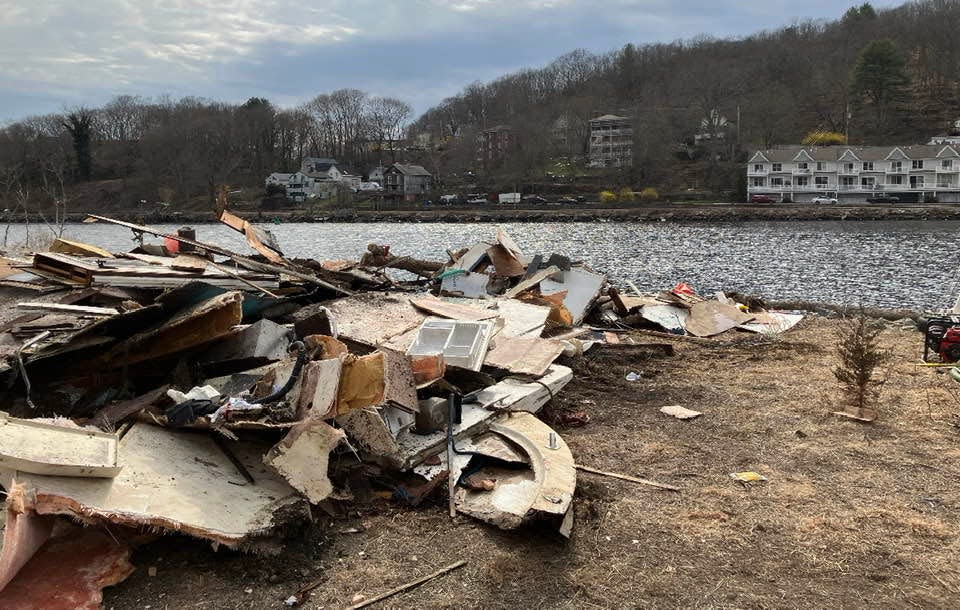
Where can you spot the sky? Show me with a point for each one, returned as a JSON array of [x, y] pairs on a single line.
[[57, 54]]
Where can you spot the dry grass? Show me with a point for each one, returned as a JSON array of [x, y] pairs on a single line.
[[852, 515]]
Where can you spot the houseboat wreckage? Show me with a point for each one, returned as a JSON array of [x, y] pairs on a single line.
[[185, 388]]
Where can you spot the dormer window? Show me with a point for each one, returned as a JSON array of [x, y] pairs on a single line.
[[778, 167]]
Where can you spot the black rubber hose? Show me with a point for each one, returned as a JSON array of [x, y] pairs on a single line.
[[294, 375]]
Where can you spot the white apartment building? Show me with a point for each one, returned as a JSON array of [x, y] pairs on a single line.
[[611, 141], [852, 174]]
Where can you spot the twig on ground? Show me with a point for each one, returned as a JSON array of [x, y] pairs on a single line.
[[626, 477], [409, 585]]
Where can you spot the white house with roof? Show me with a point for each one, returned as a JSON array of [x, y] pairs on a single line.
[[922, 172], [297, 185]]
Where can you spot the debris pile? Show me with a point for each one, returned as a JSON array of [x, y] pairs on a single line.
[[184, 388], [681, 311]]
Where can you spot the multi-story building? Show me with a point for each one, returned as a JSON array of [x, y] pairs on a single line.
[[854, 173], [611, 141], [493, 146], [408, 182]]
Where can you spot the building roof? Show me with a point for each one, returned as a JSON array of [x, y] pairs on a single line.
[[788, 154], [610, 117], [410, 170], [316, 160]]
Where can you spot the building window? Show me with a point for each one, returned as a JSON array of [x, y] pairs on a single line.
[[943, 182], [821, 182], [821, 166], [776, 181], [946, 163], [868, 166], [759, 182], [778, 167], [802, 166], [916, 182], [896, 166], [848, 167], [758, 167], [895, 180], [867, 183], [918, 164], [846, 181], [803, 181]]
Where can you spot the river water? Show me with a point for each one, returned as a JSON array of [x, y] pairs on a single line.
[[885, 263]]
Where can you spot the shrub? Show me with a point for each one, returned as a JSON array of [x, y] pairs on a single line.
[[626, 194], [608, 196], [649, 194], [859, 354], [822, 137]]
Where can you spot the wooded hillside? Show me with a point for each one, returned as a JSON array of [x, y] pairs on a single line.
[[782, 84]]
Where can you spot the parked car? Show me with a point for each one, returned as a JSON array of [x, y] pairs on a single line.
[[823, 199], [448, 199], [883, 199], [478, 201], [568, 200], [762, 199], [534, 199]]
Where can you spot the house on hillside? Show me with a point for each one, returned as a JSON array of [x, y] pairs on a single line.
[[376, 174], [321, 168], [298, 186], [611, 141], [493, 145], [922, 172], [409, 182]]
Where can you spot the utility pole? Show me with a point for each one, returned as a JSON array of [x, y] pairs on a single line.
[[846, 128]]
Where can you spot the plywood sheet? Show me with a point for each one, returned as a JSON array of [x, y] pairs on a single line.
[[523, 355], [522, 319], [708, 318]]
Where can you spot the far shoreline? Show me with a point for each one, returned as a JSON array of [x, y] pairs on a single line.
[[680, 212]]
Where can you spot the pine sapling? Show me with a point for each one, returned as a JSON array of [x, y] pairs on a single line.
[[859, 355]]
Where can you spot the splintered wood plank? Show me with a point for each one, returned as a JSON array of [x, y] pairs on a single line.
[[74, 309]]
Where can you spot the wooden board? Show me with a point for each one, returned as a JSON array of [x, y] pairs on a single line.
[[454, 311], [44, 448]]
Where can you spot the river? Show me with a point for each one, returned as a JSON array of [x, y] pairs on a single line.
[[883, 263]]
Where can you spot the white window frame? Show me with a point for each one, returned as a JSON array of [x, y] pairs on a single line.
[[778, 167], [821, 181], [868, 166], [917, 164]]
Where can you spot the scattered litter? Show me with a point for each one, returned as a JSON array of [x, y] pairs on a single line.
[[747, 477], [680, 412], [634, 376]]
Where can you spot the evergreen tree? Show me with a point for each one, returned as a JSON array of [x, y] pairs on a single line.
[[880, 79]]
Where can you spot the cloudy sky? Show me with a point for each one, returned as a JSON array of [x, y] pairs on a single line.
[[59, 53]]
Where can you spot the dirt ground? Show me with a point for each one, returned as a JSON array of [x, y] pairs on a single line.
[[852, 515]]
